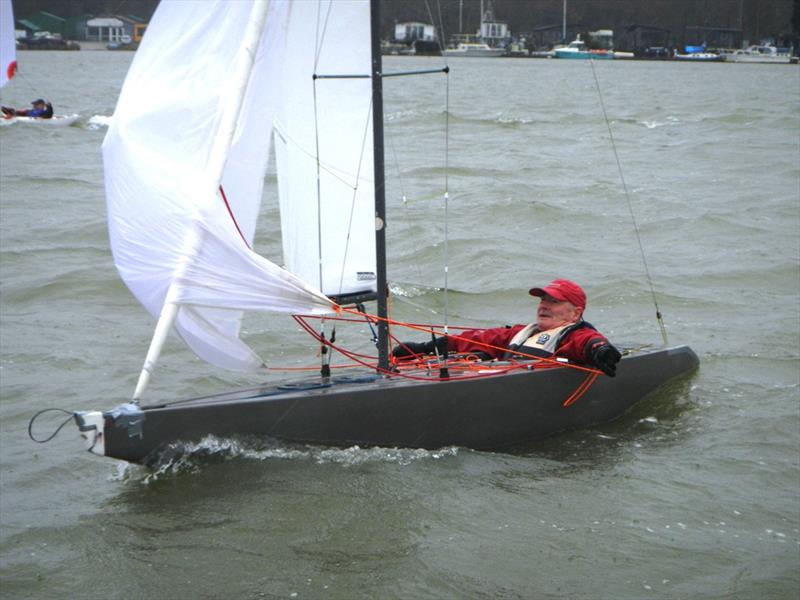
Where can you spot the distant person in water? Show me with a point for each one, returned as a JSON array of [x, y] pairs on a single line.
[[41, 109], [559, 331]]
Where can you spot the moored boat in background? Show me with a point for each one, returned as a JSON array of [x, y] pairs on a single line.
[[760, 54], [578, 49], [474, 49], [697, 54]]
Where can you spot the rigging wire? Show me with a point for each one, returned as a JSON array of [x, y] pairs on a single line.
[[355, 193], [446, 196], [630, 206], [446, 212], [395, 162], [319, 38], [325, 368], [328, 168], [441, 27], [350, 224], [321, 27], [18, 74]]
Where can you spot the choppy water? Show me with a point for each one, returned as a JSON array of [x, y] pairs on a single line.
[[694, 495]]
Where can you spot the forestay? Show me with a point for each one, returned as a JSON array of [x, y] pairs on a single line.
[[173, 235]]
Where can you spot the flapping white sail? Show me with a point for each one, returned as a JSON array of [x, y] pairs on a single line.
[[327, 208], [8, 48], [175, 235]]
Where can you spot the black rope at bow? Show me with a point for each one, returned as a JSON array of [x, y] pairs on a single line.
[[55, 433]]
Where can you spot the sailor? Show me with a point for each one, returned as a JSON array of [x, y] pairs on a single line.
[[559, 331], [41, 109]]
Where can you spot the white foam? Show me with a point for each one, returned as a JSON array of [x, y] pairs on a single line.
[[98, 121], [186, 457]]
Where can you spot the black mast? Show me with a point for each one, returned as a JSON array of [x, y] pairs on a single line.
[[380, 194]]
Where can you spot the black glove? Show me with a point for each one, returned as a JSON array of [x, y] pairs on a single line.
[[410, 348], [605, 357]]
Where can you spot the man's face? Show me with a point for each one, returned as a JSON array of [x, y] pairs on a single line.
[[555, 313]]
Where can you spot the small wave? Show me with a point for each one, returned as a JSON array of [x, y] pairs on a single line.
[[655, 124], [506, 120], [187, 457], [410, 290], [401, 115], [98, 121], [485, 121]]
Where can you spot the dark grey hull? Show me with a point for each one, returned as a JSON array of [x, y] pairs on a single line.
[[486, 413]]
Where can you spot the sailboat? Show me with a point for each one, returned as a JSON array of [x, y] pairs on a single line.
[[182, 212], [8, 68], [477, 46], [8, 47]]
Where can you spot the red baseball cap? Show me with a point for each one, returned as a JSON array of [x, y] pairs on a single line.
[[562, 289]]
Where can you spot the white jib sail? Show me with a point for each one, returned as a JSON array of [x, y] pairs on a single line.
[[8, 48], [328, 232], [171, 230]]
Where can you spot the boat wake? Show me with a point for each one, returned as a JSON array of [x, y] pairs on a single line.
[[54, 121], [186, 457], [99, 121]]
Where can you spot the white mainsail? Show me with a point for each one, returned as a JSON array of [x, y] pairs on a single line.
[[8, 47], [328, 225], [174, 236]]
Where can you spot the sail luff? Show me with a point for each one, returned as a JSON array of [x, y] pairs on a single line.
[[232, 106], [223, 139], [8, 50], [324, 163]]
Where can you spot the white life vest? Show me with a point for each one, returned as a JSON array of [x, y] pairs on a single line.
[[539, 343]]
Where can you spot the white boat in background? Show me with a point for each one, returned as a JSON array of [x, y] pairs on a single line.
[[489, 41], [699, 57], [760, 54], [474, 49], [54, 121], [697, 54]]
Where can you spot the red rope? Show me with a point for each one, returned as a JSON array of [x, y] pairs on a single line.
[[581, 389], [417, 363], [230, 212], [362, 359], [461, 364], [438, 330]]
